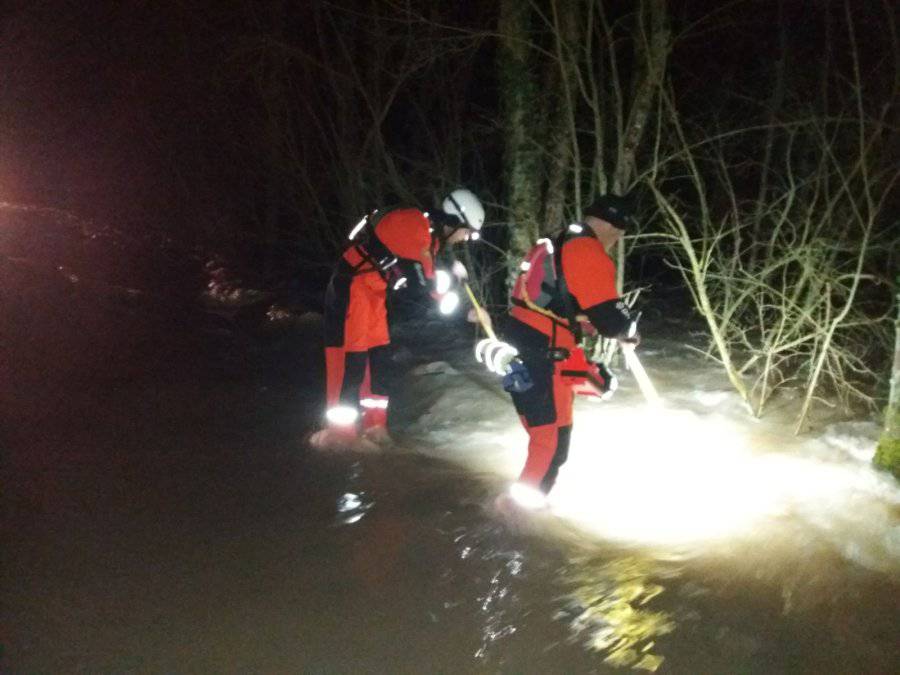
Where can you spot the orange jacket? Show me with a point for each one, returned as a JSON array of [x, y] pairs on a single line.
[[590, 277], [407, 234]]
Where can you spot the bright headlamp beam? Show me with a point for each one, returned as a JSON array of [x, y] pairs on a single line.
[[449, 303], [441, 281]]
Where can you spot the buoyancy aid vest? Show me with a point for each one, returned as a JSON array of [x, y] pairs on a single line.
[[541, 285], [371, 254], [390, 242]]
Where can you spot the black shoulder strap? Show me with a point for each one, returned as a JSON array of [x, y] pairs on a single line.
[[561, 287], [370, 248]]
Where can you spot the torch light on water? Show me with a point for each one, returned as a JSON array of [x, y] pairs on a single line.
[[655, 475], [651, 474], [659, 475]]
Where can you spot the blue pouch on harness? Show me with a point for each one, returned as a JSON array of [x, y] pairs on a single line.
[[518, 379]]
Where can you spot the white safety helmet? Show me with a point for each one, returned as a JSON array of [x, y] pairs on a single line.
[[466, 206]]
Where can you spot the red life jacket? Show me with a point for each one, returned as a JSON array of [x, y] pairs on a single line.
[[540, 286]]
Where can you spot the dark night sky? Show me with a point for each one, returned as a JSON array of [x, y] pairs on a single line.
[[160, 117]]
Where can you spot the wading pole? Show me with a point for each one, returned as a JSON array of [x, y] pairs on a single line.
[[640, 375], [478, 311]]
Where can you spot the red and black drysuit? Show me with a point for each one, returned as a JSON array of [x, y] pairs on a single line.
[[357, 338], [585, 286]]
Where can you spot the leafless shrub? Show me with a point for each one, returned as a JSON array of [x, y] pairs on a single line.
[[789, 284]]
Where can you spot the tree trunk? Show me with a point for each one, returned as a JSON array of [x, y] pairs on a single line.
[[561, 104], [651, 46], [518, 91], [774, 106]]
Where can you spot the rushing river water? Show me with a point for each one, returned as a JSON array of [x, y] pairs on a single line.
[[180, 527]]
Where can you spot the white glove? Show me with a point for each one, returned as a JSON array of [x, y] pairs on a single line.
[[495, 354], [459, 271]]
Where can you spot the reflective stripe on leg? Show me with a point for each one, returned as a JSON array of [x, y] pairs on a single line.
[[343, 422]]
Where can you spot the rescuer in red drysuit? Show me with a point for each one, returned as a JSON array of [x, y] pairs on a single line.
[[388, 251], [569, 281]]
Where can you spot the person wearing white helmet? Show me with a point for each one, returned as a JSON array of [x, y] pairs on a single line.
[[388, 250], [467, 208]]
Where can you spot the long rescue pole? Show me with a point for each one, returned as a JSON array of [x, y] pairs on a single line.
[[640, 375], [631, 359], [479, 312]]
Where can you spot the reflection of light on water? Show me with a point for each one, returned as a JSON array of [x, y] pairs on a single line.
[[661, 477], [498, 623], [352, 508], [656, 476], [349, 502], [608, 601]]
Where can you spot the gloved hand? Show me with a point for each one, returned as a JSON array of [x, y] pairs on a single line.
[[517, 379], [630, 339], [630, 336], [480, 316], [497, 355], [459, 271], [587, 328]]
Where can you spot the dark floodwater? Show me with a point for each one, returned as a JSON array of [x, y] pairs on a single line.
[[180, 526]]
